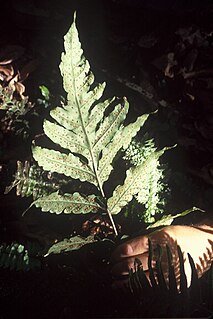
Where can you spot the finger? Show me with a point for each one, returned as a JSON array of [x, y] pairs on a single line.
[[133, 247]]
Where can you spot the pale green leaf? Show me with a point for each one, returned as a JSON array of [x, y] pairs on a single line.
[[67, 245], [81, 125], [133, 183], [168, 219], [69, 165], [110, 126], [121, 139], [67, 203], [62, 116], [92, 131], [65, 138], [97, 114]]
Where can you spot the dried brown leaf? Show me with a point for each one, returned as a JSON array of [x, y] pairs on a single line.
[[17, 86], [20, 89], [6, 72]]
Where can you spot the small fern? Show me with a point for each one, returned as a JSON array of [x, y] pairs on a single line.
[[18, 257], [171, 299], [92, 132], [30, 180], [15, 111], [152, 196]]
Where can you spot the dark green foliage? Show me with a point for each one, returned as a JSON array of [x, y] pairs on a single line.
[[210, 288], [16, 256], [169, 299], [31, 180], [15, 111], [172, 281]]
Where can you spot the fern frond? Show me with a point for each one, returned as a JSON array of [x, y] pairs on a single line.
[[81, 125], [16, 256], [172, 298], [67, 245], [77, 125], [67, 203], [30, 180], [168, 219], [134, 183], [152, 195], [92, 131]]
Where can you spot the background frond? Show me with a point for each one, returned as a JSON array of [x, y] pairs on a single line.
[[171, 299], [30, 179], [16, 256]]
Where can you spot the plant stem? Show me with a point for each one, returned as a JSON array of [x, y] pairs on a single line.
[[113, 223], [92, 157], [102, 193]]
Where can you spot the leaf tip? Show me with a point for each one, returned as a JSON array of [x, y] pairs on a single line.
[[194, 208], [74, 16]]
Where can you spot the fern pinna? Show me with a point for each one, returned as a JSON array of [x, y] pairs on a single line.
[[91, 137], [19, 257]]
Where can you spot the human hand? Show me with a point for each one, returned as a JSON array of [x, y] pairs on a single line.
[[198, 242]]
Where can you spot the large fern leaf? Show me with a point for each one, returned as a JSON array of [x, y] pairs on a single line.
[[92, 131]]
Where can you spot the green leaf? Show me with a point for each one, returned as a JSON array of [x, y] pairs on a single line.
[[29, 180], [45, 92], [18, 257], [65, 138], [67, 245], [121, 139], [67, 203], [168, 219], [91, 130], [109, 127], [81, 126], [133, 183], [62, 163]]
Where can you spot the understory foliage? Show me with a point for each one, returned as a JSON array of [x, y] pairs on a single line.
[[90, 134], [19, 257], [87, 134], [154, 190], [14, 104], [171, 299], [31, 180]]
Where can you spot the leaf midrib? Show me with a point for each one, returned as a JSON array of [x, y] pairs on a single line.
[[85, 132]]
